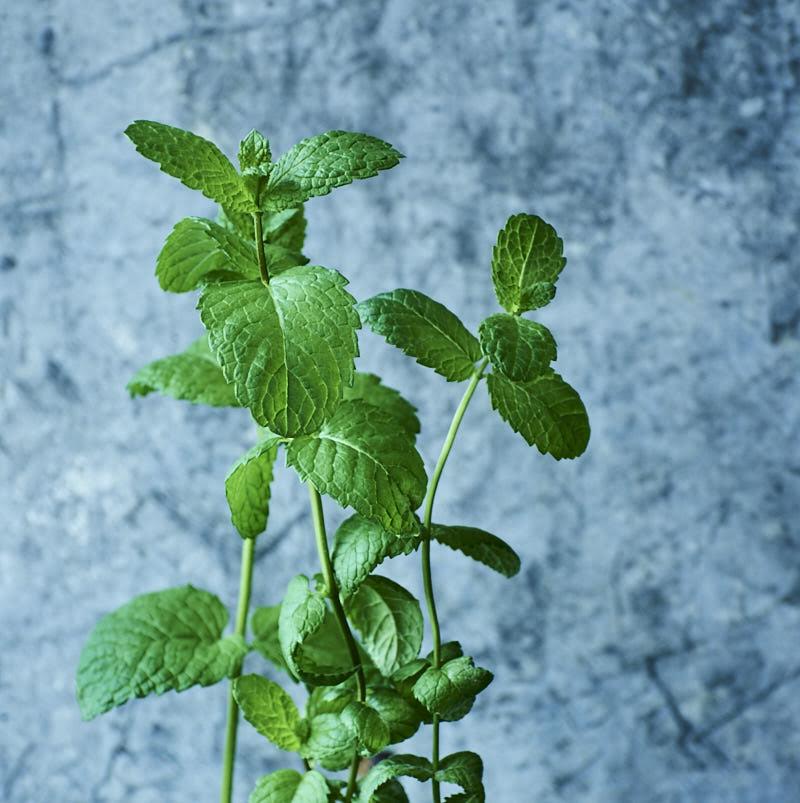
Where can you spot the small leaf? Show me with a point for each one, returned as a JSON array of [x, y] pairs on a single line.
[[264, 624], [395, 767], [390, 792], [289, 786], [193, 376], [269, 709], [319, 164], [464, 769], [330, 742], [361, 459], [444, 690], [166, 640], [389, 620], [288, 349], [368, 728], [359, 546], [526, 262], [286, 229], [546, 411], [516, 347], [399, 714], [425, 330], [196, 162], [328, 700], [247, 487], [370, 388], [302, 614], [323, 658], [254, 154], [479, 545]]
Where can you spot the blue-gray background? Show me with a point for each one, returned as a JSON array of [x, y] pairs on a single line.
[[648, 651]]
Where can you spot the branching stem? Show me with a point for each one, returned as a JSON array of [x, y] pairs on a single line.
[[427, 578]]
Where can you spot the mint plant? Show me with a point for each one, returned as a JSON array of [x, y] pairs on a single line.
[[281, 341]]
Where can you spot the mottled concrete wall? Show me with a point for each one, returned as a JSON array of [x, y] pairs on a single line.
[[649, 649]]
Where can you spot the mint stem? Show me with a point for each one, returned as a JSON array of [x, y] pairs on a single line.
[[338, 610], [427, 578], [262, 257], [232, 725]]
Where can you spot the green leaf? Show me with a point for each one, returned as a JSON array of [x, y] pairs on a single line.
[[288, 349], [546, 411], [402, 717], [389, 620], [394, 767], [264, 624], [323, 658], [269, 709], [368, 728], [362, 460], [286, 229], [328, 700], [406, 676], [196, 162], [516, 347], [247, 487], [254, 154], [390, 792], [318, 164], [193, 376], [525, 263], [479, 545], [370, 388], [302, 614], [167, 640], [359, 546], [464, 769], [443, 691], [425, 330], [330, 742], [289, 786]]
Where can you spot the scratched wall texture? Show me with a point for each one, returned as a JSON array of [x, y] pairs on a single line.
[[648, 651]]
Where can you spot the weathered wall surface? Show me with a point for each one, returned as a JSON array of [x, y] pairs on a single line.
[[649, 649]]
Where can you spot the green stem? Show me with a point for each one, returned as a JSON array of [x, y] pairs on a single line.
[[262, 257], [338, 610], [245, 584], [427, 578]]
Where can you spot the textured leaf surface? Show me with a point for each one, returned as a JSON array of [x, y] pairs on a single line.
[[526, 261], [286, 229], [264, 624], [255, 154], [390, 792], [166, 640], [464, 769], [367, 726], [302, 613], [546, 411], [479, 545], [330, 742], [371, 389], [288, 349], [289, 786], [443, 690], [196, 162], [363, 460], [323, 657], [329, 700], [360, 545], [395, 767], [269, 709], [389, 620], [247, 487], [516, 347], [318, 164], [425, 330], [399, 714], [193, 375]]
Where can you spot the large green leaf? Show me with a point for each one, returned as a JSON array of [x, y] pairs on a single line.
[[196, 162], [394, 767], [289, 348], [318, 164], [444, 691], [516, 347], [193, 375], [425, 330], [363, 460], [329, 741], [371, 389], [247, 487], [526, 261], [166, 640], [546, 411], [389, 620], [270, 710], [479, 545], [360, 545], [289, 786]]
